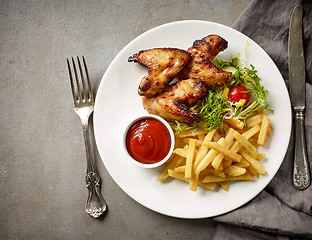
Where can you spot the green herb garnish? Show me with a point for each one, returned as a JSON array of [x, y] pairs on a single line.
[[216, 107]]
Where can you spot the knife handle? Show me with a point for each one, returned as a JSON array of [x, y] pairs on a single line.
[[301, 173]]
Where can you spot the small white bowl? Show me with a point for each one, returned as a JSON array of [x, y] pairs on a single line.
[[151, 165]]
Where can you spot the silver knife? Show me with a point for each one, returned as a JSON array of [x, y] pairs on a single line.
[[301, 172]]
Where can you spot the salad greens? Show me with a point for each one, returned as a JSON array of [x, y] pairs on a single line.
[[216, 106]]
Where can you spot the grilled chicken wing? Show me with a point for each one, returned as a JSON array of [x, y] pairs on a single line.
[[205, 70], [203, 52], [163, 65], [174, 102], [207, 47]]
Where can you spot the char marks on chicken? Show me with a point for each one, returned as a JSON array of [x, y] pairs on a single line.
[[207, 47], [163, 65], [203, 52], [205, 70], [174, 102]]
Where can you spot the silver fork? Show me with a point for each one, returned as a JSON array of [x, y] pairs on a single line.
[[83, 105]]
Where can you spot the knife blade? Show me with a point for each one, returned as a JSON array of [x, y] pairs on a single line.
[[301, 172]]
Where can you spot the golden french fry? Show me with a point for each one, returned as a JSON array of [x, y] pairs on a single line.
[[189, 166], [180, 169], [227, 153], [202, 151], [228, 140], [213, 172], [248, 134], [220, 168], [201, 137], [209, 179], [226, 163], [177, 175], [235, 123], [206, 161], [253, 140], [251, 132], [181, 151], [233, 170], [229, 137], [191, 133], [216, 161], [180, 176], [224, 185], [253, 162], [194, 182], [190, 158], [252, 171], [244, 177], [260, 156], [209, 186], [176, 160], [186, 140], [242, 164], [254, 120], [216, 137], [264, 130], [246, 144]]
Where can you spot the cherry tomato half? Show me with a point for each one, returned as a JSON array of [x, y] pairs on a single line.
[[237, 93]]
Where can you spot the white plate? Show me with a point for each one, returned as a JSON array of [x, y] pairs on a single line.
[[117, 103]]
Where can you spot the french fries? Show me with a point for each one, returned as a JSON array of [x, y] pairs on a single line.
[[210, 159], [190, 158], [264, 130]]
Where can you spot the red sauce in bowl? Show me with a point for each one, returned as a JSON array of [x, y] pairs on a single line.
[[148, 141]]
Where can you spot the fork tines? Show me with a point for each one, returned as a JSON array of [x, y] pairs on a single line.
[[81, 87]]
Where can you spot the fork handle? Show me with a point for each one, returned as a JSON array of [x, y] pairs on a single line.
[[95, 205]]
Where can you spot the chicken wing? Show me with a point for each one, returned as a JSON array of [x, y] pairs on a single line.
[[174, 102], [207, 47], [205, 70], [203, 52], [163, 65]]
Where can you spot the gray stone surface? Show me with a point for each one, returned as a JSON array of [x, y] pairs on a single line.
[[42, 163]]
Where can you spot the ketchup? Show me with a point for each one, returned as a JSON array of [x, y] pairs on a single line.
[[148, 141]]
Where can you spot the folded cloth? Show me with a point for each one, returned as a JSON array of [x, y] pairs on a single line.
[[280, 211]]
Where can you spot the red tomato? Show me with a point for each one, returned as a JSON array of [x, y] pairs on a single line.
[[237, 93]]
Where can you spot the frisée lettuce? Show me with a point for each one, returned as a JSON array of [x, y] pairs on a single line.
[[216, 106]]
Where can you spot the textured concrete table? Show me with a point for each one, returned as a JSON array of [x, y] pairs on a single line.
[[42, 164]]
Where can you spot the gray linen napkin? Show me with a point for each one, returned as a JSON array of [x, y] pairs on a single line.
[[280, 211]]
